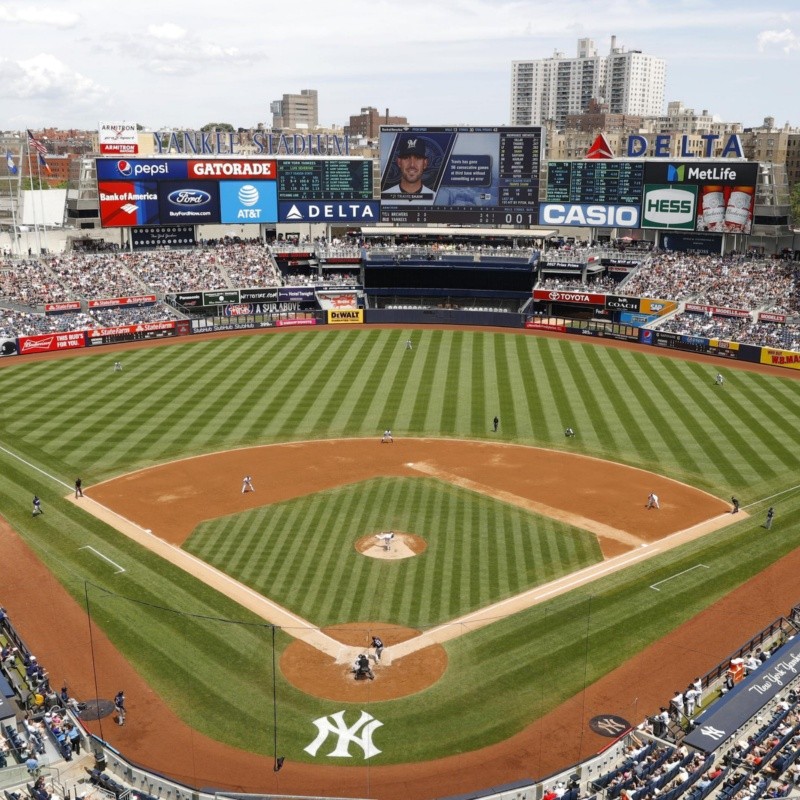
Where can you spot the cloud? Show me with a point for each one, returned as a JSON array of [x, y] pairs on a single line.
[[167, 31], [41, 15], [785, 39], [44, 77]]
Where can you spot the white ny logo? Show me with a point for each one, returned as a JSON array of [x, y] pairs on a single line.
[[712, 733], [367, 724], [611, 726]]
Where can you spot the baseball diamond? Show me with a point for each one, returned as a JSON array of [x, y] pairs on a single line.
[[507, 524]]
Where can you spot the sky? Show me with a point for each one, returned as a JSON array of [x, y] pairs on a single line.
[[184, 63]]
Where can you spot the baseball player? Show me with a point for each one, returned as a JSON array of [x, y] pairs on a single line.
[[496, 423], [37, 506], [387, 437], [569, 433], [409, 344], [378, 645], [719, 380], [247, 484], [117, 366], [652, 501], [78, 487]]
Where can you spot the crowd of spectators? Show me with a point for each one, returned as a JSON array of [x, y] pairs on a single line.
[[731, 282], [600, 283], [744, 330]]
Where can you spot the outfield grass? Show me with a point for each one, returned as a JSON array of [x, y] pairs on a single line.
[[76, 417]]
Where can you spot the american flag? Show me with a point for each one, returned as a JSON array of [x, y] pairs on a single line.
[[36, 144]]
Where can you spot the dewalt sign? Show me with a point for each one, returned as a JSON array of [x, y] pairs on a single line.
[[345, 316]]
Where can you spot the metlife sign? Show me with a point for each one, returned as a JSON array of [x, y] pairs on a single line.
[[669, 206], [363, 211], [589, 216]]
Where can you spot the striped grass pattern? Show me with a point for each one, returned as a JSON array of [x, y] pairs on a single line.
[[301, 553], [76, 416]]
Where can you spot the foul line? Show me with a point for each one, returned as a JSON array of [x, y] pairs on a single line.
[[33, 466], [105, 558], [677, 575]]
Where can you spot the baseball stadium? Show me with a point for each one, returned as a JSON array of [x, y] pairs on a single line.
[[439, 450]]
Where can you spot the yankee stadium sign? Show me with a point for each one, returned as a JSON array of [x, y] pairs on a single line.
[[249, 142]]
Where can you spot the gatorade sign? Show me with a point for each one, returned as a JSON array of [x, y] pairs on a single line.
[[341, 316], [669, 206]]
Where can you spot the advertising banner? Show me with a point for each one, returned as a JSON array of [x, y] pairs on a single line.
[[8, 347], [544, 325], [115, 302], [668, 206], [258, 295], [650, 305], [325, 179], [546, 295], [140, 331], [338, 316], [196, 202], [589, 216], [300, 294], [566, 265], [725, 193], [622, 303], [189, 299], [338, 299], [768, 316], [127, 203], [62, 308], [141, 169], [220, 297], [49, 342], [165, 236], [248, 203], [780, 358], [717, 311], [366, 211], [291, 323], [118, 138]]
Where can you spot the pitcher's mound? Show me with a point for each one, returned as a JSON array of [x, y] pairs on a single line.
[[391, 545]]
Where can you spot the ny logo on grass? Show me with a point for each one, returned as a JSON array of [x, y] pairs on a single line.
[[334, 724]]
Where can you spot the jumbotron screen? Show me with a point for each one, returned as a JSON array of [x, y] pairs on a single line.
[[460, 176]]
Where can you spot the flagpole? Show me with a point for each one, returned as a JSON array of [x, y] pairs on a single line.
[[35, 223], [41, 201], [12, 200]]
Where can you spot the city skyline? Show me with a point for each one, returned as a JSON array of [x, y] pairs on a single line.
[[184, 65]]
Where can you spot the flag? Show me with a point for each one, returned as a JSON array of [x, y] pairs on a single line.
[[45, 165], [36, 144], [12, 167]]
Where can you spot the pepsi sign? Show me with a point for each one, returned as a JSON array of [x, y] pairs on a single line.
[[116, 169]]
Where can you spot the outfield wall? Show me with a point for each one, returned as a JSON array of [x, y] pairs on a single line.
[[621, 331]]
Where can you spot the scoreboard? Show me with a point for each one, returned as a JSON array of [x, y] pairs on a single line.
[[469, 175], [325, 179], [595, 182]]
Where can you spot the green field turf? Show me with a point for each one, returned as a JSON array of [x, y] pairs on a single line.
[[479, 551], [76, 416]]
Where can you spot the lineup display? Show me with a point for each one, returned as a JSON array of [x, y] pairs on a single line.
[[168, 191], [320, 179], [595, 182], [461, 176]]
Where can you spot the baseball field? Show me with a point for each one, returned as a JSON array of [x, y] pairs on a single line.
[[493, 516]]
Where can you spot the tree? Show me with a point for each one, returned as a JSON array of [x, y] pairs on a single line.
[[794, 201], [218, 126]]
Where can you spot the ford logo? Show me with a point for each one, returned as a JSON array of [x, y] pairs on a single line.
[[189, 197]]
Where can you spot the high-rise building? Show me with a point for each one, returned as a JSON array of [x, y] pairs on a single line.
[[548, 89], [296, 111]]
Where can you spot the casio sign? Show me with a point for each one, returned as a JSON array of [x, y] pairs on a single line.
[[189, 197], [589, 216]]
